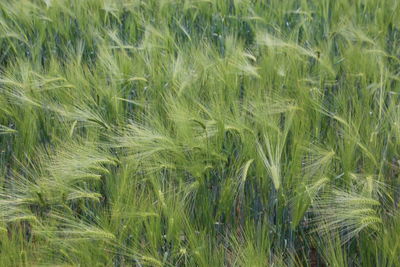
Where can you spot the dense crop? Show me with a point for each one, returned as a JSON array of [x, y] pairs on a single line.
[[199, 133]]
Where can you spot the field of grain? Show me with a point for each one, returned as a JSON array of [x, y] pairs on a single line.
[[199, 133]]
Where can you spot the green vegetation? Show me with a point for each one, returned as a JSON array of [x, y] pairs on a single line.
[[199, 133]]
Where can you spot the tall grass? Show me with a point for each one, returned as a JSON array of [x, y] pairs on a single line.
[[199, 133]]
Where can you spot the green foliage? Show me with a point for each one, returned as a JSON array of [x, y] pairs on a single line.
[[199, 133]]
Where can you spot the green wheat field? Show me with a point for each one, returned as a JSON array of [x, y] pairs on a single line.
[[200, 133]]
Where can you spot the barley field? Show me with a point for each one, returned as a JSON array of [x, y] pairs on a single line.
[[199, 133]]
